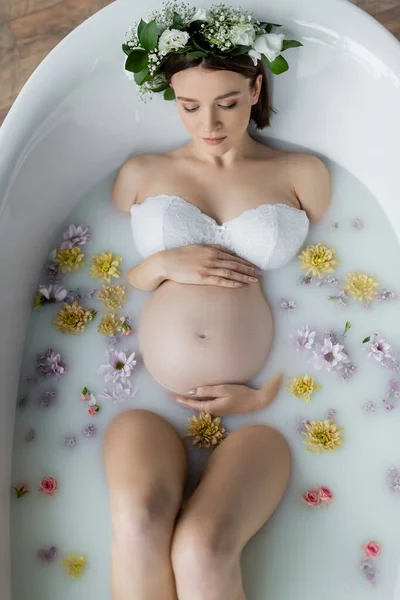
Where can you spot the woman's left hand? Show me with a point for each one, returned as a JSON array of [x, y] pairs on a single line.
[[232, 399]]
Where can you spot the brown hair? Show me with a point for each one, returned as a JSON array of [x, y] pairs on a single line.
[[243, 64]]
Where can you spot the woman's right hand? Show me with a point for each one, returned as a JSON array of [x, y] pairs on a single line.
[[208, 264]]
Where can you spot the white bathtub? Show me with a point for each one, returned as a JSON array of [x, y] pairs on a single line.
[[77, 118]]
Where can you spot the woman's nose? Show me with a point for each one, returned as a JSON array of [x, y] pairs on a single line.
[[210, 122]]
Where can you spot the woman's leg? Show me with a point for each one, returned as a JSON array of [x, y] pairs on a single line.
[[145, 464], [243, 483]]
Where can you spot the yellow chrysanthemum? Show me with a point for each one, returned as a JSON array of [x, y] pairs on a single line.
[[110, 324], [113, 296], [73, 318], [318, 259], [69, 259], [105, 265], [74, 565], [361, 286], [205, 430], [303, 387], [322, 436]]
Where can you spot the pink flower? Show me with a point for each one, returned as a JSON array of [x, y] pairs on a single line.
[[325, 494], [371, 549], [311, 498], [48, 486], [92, 410], [85, 394]]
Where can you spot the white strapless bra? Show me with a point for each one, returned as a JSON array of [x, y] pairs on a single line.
[[269, 235]]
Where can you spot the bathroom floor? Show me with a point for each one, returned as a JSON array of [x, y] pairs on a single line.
[[29, 30], [334, 532]]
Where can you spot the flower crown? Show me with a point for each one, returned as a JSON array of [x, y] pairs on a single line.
[[221, 31]]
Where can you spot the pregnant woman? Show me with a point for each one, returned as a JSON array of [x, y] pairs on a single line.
[[208, 218]]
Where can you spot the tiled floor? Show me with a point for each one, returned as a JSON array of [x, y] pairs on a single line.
[[29, 29]]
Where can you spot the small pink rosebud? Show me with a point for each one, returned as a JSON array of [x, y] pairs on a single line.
[[92, 410], [311, 498], [48, 486], [371, 549], [325, 494]]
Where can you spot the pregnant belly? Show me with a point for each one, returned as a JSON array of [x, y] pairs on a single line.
[[192, 335]]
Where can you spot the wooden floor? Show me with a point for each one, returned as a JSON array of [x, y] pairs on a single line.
[[29, 29]]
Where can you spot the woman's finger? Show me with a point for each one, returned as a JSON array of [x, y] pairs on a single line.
[[217, 407], [229, 254], [211, 391], [234, 275], [235, 266], [221, 281]]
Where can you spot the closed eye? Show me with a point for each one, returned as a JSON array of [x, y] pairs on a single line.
[[220, 105]]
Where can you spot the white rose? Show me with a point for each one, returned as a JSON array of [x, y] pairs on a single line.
[[172, 39], [269, 44], [242, 34], [201, 14]]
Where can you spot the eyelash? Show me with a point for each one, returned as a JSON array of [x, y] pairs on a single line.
[[224, 107]]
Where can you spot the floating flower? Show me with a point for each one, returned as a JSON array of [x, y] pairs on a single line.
[[287, 305], [311, 498], [50, 293], [377, 347], [21, 489], [47, 398], [48, 486], [120, 366], [69, 259], [120, 393], [322, 436], [369, 407], [85, 394], [206, 431], [75, 235], [53, 272], [74, 565], [301, 426], [318, 259], [47, 554], [325, 494], [329, 355], [69, 441], [105, 265], [358, 224], [303, 338], [368, 570], [113, 296], [394, 480], [346, 370], [303, 387], [110, 324], [361, 286], [50, 363], [371, 549], [126, 328], [73, 318], [93, 410], [89, 430], [331, 414]]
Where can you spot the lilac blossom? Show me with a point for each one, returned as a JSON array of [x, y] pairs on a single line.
[[301, 426], [331, 414], [394, 480], [47, 398], [346, 371], [388, 405], [329, 280], [358, 224], [305, 279], [50, 363], [120, 366], [369, 407], [89, 430], [287, 305], [329, 355], [53, 272], [47, 554], [53, 293], [385, 294], [120, 393], [368, 570], [303, 338], [69, 441], [75, 235]]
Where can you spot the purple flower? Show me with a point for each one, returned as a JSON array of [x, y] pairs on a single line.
[[112, 342], [368, 570], [369, 407], [50, 363], [47, 398], [378, 348], [120, 394], [391, 363], [287, 305], [329, 355], [303, 338], [69, 441], [331, 335], [305, 280], [394, 390], [384, 294], [329, 280], [53, 293], [53, 272], [358, 224], [346, 371], [388, 405], [120, 366], [394, 480], [47, 554], [89, 430], [30, 435], [75, 235], [331, 414], [301, 426]]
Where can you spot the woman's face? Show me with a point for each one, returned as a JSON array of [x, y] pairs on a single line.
[[207, 115]]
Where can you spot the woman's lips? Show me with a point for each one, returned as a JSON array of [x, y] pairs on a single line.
[[213, 141]]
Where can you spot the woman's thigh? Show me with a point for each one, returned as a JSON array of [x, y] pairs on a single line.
[[244, 481], [145, 463]]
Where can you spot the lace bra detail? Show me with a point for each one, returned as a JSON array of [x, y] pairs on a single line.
[[269, 235]]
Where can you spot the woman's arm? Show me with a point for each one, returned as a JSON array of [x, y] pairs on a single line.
[[149, 274]]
